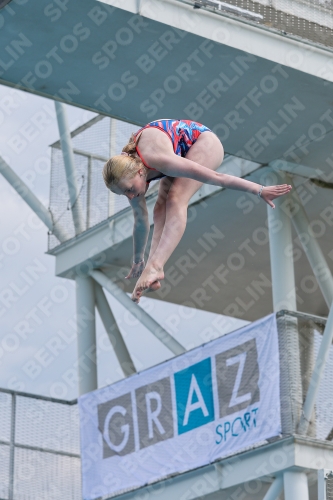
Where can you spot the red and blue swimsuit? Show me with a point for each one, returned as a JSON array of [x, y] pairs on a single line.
[[182, 133]]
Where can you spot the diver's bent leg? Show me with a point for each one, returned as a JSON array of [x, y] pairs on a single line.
[[206, 151]]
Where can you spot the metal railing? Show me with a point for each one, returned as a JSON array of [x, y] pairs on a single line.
[[93, 144], [39, 447], [307, 20]]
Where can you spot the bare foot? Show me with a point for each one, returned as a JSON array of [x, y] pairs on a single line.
[[153, 288], [149, 281]]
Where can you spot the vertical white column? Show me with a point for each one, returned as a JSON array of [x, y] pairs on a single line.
[[68, 155], [86, 334], [282, 265], [295, 486], [89, 198], [284, 297]]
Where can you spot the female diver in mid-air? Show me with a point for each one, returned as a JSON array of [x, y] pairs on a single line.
[[184, 155]]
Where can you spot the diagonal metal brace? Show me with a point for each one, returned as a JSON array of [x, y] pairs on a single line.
[[275, 489], [113, 332], [34, 203], [156, 329]]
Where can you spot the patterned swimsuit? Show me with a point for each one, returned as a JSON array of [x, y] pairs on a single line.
[[182, 133]]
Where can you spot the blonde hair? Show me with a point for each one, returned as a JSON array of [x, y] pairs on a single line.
[[120, 166]]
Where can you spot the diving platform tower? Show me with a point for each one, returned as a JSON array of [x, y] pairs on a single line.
[[260, 75]]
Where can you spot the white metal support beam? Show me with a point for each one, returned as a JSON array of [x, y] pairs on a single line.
[[317, 375], [86, 334], [113, 332], [284, 295], [68, 155], [275, 489], [139, 313], [27, 195], [282, 265], [295, 485], [298, 169], [311, 248]]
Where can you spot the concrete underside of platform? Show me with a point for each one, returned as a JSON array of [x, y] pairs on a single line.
[[138, 69]]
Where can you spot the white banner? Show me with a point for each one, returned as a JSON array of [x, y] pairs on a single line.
[[194, 409]]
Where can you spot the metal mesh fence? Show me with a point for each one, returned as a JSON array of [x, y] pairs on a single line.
[[59, 428], [4, 471], [39, 448], [299, 338], [5, 420], [329, 488], [93, 144], [310, 20], [324, 405]]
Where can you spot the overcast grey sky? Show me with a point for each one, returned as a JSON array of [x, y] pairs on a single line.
[[36, 308]]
